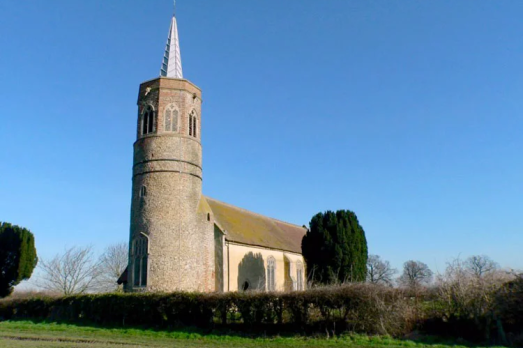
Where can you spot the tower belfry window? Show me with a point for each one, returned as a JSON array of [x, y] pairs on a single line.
[[148, 120], [193, 124], [171, 119]]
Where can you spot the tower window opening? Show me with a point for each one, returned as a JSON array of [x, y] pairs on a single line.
[[175, 121], [271, 274], [168, 123], [143, 191], [193, 124], [208, 217], [140, 258], [171, 119], [148, 120]]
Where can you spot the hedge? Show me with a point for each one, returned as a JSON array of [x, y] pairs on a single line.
[[357, 307]]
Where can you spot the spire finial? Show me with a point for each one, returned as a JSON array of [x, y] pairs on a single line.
[[174, 7], [172, 61]]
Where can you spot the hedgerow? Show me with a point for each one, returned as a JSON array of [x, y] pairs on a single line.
[[360, 308], [355, 307]]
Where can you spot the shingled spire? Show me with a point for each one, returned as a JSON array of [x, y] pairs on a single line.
[[172, 60]]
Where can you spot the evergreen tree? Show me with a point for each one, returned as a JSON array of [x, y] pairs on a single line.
[[17, 256], [335, 248]]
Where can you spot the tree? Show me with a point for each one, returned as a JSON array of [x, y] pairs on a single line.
[[17, 256], [335, 248], [112, 264], [480, 265], [379, 271], [466, 294], [415, 274], [73, 272]]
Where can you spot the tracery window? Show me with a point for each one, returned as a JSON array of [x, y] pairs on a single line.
[[299, 276], [271, 274], [171, 118], [148, 120], [140, 253], [193, 124]]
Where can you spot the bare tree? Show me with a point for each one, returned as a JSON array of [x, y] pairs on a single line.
[[379, 271], [480, 265], [112, 264], [415, 274], [73, 272], [471, 295]]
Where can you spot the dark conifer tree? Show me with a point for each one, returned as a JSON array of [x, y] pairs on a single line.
[[17, 256], [335, 248]]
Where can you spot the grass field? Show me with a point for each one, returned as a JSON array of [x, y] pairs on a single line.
[[46, 335]]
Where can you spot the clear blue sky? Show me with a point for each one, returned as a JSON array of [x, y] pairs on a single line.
[[408, 112]]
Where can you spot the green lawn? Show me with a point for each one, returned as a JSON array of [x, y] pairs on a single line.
[[46, 335]]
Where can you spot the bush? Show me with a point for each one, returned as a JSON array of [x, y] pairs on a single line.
[[17, 256], [360, 308], [335, 248], [477, 307], [509, 309]]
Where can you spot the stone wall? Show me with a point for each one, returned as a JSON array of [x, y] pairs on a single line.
[[249, 264]]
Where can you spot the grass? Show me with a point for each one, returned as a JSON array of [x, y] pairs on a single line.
[[46, 335]]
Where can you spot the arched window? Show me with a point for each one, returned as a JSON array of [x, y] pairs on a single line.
[[271, 274], [193, 124], [140, 253], [148, 120], [299, 276], [171, 118]]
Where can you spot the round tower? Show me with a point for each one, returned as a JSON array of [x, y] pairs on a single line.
[[169, 248]]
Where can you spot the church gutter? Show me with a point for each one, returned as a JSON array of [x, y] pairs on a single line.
[[262, 247]]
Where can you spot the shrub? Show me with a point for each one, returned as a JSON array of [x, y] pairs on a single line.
[[361, 308], [509, 309], [17, 256], [467, 302], [335, 248]]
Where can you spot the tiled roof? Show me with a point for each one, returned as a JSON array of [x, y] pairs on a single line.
[[243, 226]]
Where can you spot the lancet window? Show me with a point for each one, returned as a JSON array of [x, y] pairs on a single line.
[[148, 120], [299, 276], [171, 118], [271, 274], [140, 255], [193, 124]]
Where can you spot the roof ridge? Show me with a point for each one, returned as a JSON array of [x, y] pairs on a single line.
[[251, 212]]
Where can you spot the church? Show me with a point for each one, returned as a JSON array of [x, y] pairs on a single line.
[[181, 240]]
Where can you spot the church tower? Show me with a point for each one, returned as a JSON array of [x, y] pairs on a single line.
[[171, 245]]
